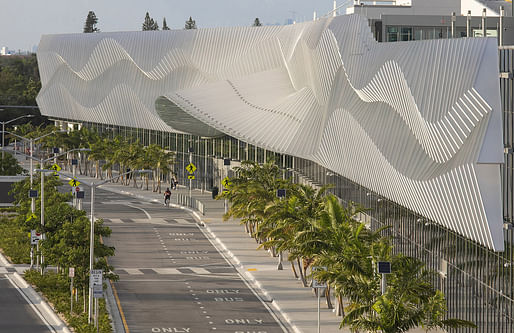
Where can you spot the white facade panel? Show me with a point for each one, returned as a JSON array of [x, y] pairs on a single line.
[[417, 122]]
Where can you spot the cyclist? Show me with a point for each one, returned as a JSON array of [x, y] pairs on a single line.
[[167, 195]]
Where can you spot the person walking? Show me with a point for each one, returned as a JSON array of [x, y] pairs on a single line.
[[167, 197]]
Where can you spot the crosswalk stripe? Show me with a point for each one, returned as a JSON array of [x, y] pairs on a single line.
[[198, 270], [182, 221], [3, 270], [21, 270], [166, 271], [133, 271], [116, 221]]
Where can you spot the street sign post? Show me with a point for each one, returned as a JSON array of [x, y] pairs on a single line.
[[71, 274], [96, 282], [383, 267], [318, 285], [190, 177], [32, 193]]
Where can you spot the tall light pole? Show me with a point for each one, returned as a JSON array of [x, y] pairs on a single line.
[[31, 171], [10, 121]]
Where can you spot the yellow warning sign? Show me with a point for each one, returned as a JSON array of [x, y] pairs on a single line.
[[31, 217], [226, 182], [191, 168], [74, 183], [55, 167], [190, 177]]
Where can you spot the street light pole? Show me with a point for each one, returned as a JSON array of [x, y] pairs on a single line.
[[10, 121], [91, 249], [42, 213]]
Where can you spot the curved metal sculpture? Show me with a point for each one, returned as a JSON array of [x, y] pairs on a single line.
[[417, 122]]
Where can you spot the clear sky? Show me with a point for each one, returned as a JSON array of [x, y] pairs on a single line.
[[22, 22]]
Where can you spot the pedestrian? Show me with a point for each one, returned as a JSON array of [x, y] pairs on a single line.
[[167, 196]]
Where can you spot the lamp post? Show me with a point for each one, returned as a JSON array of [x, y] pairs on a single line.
[[93, 186], [10, 121], [31, 157]]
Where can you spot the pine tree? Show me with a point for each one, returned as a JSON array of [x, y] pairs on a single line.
[[164, 25], [257, 22], [91, 21], [190, 24], [149, 23]]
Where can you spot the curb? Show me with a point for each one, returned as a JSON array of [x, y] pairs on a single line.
[[38, 305]]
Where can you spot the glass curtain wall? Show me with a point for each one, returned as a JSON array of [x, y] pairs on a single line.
[[478, 283]]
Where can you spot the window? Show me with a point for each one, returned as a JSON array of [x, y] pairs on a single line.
[[392, 34]]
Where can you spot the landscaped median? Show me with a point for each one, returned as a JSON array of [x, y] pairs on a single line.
[[65, 245]]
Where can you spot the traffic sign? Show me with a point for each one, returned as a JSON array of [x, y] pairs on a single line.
[[80, 194], [71, 272], [74, 182], [95, 277], [32, 193], [74, 161], [191, 168], [226, 182], [55, 167], [190, 177], [35, 237], [31, 217], [96, 282], [97, 291]]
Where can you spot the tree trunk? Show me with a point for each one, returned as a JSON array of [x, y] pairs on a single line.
[[294, 270], [300, 269], [327, 297], [339, 306]]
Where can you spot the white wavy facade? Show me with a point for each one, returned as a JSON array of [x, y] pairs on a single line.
[[417, 122]]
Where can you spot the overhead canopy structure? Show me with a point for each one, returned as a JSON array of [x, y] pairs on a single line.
[[417, 122]]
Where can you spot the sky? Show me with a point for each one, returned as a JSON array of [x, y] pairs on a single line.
[[22, 22]]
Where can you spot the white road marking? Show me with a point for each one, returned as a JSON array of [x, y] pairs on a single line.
[[183, 221], [166, 271], [116, 221], [199, 270], [141, 209], [133, 271]]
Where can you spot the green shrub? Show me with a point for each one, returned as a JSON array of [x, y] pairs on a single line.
[[14, 241], [56, 288]]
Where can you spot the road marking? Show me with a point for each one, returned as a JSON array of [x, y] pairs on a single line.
[[183, 221], [133, 271], [141, 209], [116, 221], [166, 271], [199, 270], [122, 314]]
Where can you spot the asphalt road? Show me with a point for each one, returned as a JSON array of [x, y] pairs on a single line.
[[16, 315], [172, 279]]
